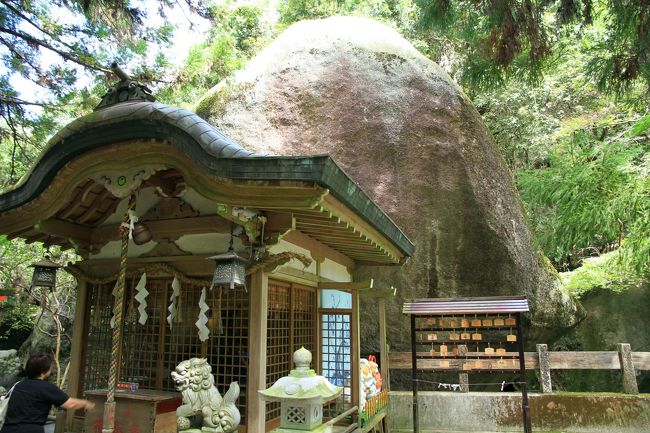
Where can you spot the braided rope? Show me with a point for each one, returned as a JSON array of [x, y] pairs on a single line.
[[119, 303]]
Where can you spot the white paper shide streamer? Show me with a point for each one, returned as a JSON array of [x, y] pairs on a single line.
[[133, 218], [173, 301], [204, 332], [141, 297], [114, 293]]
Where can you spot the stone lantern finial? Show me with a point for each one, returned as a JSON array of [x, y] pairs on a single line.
[[302, 359]]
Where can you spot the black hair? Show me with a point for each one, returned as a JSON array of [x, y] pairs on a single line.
[[37, 365]]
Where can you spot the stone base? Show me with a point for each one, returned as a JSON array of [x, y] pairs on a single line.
[[319, 429], [501, 412]]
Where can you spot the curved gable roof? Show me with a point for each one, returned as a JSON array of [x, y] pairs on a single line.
[[211, 150]]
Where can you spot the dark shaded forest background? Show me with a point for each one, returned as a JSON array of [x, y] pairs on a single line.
[[562, 85]]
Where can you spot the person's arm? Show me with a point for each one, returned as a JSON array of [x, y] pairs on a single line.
[[77, 403]]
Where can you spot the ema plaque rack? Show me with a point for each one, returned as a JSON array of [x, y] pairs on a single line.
[[468, 335]]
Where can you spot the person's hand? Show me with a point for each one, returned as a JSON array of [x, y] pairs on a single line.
[[89, 405]]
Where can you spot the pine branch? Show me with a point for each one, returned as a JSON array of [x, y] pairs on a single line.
[[12, 100], [67, 56], [36, 25]]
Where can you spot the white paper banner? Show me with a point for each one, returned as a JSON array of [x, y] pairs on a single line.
[[141, 297], [114, 293], [173, 299], [204, 332]]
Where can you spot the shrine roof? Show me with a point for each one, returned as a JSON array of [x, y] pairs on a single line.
[[210, 150]]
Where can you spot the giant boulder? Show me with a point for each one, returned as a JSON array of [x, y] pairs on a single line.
[[398, 124]]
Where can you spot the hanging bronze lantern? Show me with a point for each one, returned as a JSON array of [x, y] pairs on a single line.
[[45, 273], [230, 269]]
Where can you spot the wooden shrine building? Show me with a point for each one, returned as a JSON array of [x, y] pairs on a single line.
[[302, 223]]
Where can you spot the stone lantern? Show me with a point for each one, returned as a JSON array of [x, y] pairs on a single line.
[[301, 395]]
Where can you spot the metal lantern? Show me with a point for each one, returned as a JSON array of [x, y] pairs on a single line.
[[45, 273], [230, 270]]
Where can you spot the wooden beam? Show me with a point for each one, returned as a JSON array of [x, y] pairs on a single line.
[[259, 294], [65, 229], [277, 225], [402, 361], [170, 229], [319, 251], [380, 294], [94, 207], [359, 285], [193, 266], [292, 275], [591, 360]]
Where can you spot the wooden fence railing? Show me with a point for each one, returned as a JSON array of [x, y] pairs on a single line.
[[624, 359]]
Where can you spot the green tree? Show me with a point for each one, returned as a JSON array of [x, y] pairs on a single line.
[[52, 46], [503, 39], [594, 197], [237, 34]]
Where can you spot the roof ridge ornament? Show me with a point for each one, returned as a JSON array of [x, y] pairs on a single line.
[[125, 90]]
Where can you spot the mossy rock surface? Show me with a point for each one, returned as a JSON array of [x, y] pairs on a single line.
[[396, 122]]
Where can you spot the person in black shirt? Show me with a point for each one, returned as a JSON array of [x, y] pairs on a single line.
[[33, 397]]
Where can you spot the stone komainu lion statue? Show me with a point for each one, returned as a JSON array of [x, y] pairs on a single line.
[[202, 404]]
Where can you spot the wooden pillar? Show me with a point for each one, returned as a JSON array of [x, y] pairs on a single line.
[[355, 342], [414, 377], [258, 310], [463, 378], [544, 368], [76, 349], [522, 377], [383, 344], [627, 368]]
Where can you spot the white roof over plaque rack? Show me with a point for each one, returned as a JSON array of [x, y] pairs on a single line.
[[492, 304]]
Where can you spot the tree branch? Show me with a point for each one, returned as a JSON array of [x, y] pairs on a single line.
[[12, 100], [36, 25], [67, 56]]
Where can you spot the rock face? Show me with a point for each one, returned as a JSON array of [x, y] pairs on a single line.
[[9, 367], [398, 124]]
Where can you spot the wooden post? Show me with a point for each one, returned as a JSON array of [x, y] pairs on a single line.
[[76, 350], [544, 368], [627, 368], [383, 356], [383, 345], [258, 310], [355, 352], [522, 374], [414, 376], [463, 378]]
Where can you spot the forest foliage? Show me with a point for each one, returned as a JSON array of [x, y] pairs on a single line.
[[563, 86]]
